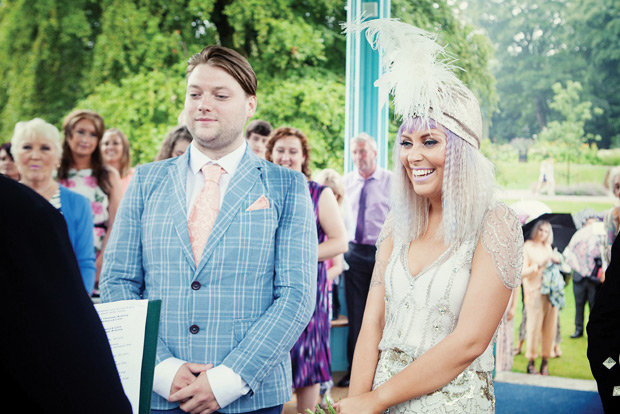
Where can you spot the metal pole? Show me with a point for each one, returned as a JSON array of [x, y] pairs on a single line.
[[363, 68]]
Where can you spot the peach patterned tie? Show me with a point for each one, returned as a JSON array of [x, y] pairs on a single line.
[[205, 209]]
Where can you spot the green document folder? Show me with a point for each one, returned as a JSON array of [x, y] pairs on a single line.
[[124, 316], [148, 356]]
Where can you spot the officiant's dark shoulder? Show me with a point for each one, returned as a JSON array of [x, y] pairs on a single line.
[[55, 355]]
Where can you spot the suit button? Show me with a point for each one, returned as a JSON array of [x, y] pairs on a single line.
[[196, 285], [194, 329]]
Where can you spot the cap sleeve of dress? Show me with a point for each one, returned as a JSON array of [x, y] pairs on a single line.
[[386, 230], [502, 237]]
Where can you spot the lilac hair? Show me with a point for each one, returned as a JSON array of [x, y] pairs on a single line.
[[467, 190]]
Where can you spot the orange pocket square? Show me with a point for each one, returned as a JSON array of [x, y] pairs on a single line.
[[259, 204]]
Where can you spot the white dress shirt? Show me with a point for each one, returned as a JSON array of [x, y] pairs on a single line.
[[227, 385]]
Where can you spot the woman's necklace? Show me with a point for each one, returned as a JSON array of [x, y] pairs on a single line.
[[48, 191]]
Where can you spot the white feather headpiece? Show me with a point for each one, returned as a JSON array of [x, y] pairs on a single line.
[[419, 73]]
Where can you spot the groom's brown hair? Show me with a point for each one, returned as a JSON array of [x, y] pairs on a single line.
[[230, 61]]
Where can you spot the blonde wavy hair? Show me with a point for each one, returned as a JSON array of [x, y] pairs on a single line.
[[467, 190]]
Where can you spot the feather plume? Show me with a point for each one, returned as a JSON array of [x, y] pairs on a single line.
[[419, 73]]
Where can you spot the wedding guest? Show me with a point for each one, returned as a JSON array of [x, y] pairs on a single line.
[[367, 188], [586, 284], [330, 178], [336, 266], [52, 324], [7, 162], [542, 315], [449, 255], [115, 150], [288, 147], [546, 180], [83, 170], [257, 133], [38, 148], [175, 144]]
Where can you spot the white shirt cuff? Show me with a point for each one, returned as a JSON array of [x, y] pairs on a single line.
[[227, 385], [165, 372]]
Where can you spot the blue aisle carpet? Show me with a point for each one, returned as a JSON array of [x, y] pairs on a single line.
[[529, 399]]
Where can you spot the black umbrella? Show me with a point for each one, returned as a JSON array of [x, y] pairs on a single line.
[[562, 225]]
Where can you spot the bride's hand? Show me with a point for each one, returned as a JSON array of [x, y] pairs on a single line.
[[361, 404]]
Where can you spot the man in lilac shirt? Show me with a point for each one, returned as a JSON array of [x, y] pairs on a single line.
[[368, 190]]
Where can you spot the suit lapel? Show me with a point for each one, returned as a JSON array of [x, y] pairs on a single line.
[[177, 175], [240, 185]]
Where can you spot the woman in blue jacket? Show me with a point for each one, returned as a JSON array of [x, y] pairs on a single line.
[[37, 148]]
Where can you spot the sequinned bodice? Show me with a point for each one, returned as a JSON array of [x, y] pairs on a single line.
[[422, 310]]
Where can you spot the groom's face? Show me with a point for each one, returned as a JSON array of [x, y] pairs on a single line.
[[216, 110]]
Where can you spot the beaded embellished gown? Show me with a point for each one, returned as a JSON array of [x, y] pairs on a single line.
[[422, 310]]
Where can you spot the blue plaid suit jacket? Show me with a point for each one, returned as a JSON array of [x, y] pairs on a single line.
[[257, 273]]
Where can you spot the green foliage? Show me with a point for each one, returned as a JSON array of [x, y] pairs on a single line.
[[43, 49], [572, 207], [289, 35], [288, 45], [497, 152], [313, 104], [515, 175], [596, 59], [567, 137], [126, 60], [145, 107], [319, 410], [609, 157], [139, 37], [538, 44]]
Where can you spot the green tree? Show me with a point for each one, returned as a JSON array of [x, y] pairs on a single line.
[[529, 45], [568, 135], [595, 32], [145, 106], [44, 49], [538, 44], [144, 36], [126, 60]]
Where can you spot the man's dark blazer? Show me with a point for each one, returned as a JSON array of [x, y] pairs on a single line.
[[54, 352], [604, 333]]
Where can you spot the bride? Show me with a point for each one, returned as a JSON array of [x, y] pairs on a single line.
[[448, 257]]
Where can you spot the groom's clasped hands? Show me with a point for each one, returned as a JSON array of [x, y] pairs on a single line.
[[191, 388]]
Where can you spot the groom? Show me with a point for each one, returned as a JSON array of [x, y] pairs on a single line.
[[228, 243]]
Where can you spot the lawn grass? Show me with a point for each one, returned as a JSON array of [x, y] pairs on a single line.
[[562, 206], [519, 175], [573, 363]]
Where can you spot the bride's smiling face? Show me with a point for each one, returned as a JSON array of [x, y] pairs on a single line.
[[423, 154]]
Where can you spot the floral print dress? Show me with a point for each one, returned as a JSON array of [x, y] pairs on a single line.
[[84, 183]]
